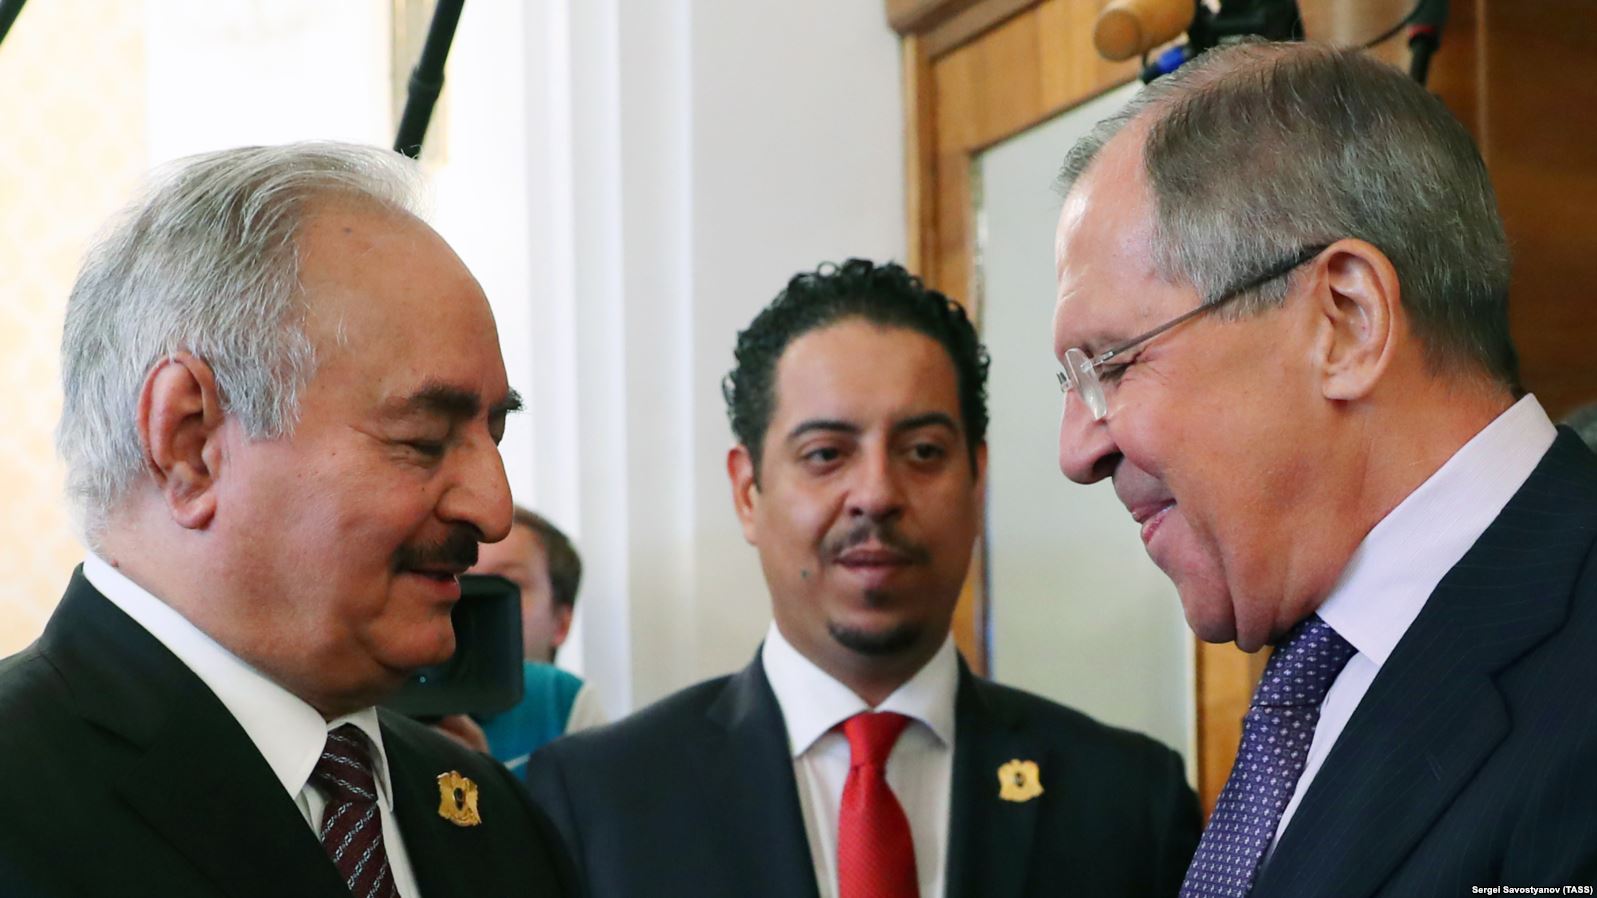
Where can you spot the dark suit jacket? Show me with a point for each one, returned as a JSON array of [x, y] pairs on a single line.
[[696, 796], [122, 774], [1472, 760]]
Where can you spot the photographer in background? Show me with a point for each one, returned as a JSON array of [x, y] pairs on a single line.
[[545, 566]]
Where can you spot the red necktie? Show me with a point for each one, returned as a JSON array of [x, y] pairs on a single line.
[[875, 853]]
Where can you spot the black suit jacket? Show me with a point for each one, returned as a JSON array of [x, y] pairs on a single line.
[[122, 774], [1472, 760], [696, 796]]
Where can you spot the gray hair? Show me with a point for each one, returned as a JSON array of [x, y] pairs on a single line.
[[1255, 151], [205, 261]]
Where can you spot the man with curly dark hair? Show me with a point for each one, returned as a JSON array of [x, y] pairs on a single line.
[[857, 755]]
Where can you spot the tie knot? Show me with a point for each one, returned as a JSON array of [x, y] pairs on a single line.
[[344, 770], [1303, 666], [871, 736]]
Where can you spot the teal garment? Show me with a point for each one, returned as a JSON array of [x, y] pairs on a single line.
[[547, 695]]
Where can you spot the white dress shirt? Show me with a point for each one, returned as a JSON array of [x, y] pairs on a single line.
[[920, 769], [288, 733], [1398, 565]]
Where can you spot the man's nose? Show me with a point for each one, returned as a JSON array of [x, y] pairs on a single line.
[[480, 495], [876, 493], [1087, 451]]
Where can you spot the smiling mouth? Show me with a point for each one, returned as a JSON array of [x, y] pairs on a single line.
[[1150, 517], [444, 581]]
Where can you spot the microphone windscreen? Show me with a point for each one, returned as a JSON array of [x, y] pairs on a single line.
[[1129, 28]]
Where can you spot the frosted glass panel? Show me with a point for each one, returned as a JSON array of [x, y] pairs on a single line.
[[1078, 611]]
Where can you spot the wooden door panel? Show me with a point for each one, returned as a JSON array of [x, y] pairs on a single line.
[[979, 71]]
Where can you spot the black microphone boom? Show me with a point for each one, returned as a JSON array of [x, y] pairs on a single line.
[[427, 79], [1274, 20], [1425, 36], [8, 14]]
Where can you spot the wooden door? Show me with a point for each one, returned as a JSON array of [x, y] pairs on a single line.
[[976, 72]]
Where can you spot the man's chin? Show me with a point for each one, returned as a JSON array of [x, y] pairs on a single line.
[[1208, 620], [878, 641], [422, 652]]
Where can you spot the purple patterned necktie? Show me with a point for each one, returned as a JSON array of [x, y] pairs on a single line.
[[1275, 744], [352, 827]]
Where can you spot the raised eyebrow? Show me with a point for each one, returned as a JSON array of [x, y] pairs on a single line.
[[829, 425], [929, 419]]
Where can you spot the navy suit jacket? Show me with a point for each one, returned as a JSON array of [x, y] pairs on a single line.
[[124, 775], [1472, 760], [696, 796]]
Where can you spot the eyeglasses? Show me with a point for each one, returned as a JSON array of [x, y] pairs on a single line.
[[1081, 372]]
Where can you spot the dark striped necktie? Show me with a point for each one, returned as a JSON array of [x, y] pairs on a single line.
[[352, 827]]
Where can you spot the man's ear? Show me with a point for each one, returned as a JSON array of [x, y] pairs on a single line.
[[1361, 316], [180, 420], [745, 491], [563, 615]]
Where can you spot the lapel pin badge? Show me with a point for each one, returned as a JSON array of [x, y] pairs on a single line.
[[457, 799], [1019, 781]]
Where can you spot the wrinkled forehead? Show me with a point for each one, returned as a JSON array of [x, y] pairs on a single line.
[[1103, 249], [393, 312]]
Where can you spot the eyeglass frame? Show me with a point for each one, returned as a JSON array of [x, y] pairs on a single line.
[[1079, 368]]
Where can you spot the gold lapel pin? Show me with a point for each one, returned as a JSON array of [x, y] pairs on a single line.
[[457, 799], [1019, 781]]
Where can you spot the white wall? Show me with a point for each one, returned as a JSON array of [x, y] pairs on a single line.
[[1079, 613], [631, 180], [226, 74], [681, 160], [797, 159]]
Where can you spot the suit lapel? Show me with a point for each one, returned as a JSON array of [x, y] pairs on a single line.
[[192, 774], [989, 838], [748, 771], [440, 852], [1433, 714], [229, 815]]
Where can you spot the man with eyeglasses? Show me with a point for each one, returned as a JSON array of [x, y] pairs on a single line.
[[1282, 316]]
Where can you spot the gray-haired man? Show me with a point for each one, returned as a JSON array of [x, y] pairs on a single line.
[[284, 395], [1283, 317]]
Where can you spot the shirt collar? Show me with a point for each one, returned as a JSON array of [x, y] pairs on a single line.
[[813, 702], [1402, 559], [287, 731]]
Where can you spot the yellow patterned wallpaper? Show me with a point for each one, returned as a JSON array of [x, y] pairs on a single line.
[[72, 149]]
